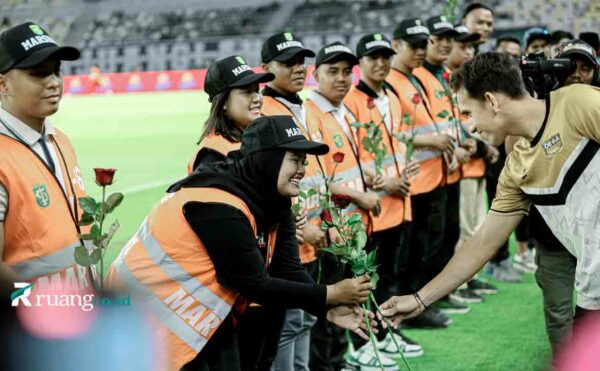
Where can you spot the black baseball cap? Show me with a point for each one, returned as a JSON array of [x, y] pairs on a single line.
[[536, 33], [231, 72], [439, 26], [334, 52], [412, 30], [373, 43], [474, 6], [283, 47], [592, 39], [580, 48], [508, 37], [463, 35], [272, 132], [28, 45]]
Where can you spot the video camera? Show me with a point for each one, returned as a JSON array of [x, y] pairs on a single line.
[[542, 75]]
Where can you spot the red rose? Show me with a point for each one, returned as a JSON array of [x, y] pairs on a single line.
[[446, 76], [371, 103], [338, 157], [326, 217], [416, 99], [341, 201], [104, 177]]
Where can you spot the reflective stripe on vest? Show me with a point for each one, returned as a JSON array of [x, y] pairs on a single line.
[[47, 264], [394, 210], [432, 173]]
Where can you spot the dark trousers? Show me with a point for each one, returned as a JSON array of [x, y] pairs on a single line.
[[258, 334], [220, 353], [327, 341], [452, 222], [427, 240]]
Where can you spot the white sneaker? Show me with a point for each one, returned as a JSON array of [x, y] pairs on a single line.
[[408, 349], [526, 261], [365, 359]]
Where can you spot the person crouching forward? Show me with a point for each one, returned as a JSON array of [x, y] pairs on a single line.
[[208, 241]]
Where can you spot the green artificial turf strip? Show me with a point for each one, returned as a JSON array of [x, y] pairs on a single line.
[[150, 138]]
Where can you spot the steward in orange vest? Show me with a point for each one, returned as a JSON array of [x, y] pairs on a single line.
[[284, 55], [40, 181], [209, 241], [429, 196], [372, 100], [232, 88], [325, 110]]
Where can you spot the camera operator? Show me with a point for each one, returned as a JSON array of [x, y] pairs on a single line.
[[553, 166], [555, 274]]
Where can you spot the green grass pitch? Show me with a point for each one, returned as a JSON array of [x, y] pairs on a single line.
[[150, 138]]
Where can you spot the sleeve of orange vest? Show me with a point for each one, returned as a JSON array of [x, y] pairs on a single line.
[[239, 265]]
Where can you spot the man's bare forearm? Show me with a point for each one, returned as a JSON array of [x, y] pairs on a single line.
[[471, 257]]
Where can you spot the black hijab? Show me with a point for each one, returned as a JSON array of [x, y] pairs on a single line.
[[252, 178]]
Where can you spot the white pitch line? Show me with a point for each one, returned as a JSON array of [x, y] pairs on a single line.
[[146, 186]]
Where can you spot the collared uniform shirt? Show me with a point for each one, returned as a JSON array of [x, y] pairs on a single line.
[[17, 129]]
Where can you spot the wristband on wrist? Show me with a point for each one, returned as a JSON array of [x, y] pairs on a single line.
[[420, 301]]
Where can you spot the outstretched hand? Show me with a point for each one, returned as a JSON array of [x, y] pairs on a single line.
[[352, 318], [398, 308]]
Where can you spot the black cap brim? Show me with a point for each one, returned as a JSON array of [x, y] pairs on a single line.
[[539, 36], [416, 39], [467, 38], [339, 56], [253, 78], [306, 146], [291, 53], [450, 32], [379, 49], [63, 53], [582, 55]]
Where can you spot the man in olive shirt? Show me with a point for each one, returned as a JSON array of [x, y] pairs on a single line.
[[554, 166]]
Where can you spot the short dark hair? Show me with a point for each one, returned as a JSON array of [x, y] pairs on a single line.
[[508, 38], [474, 6], [558, 35], [489, 72]]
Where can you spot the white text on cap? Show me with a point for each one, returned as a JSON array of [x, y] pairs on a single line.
[[293, 132], [439, 25], [337, 48], [582, 47], [372, 44], [414, 30], [37, 40], [288, 44]]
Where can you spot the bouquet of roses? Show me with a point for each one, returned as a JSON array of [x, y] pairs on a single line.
[[350, 246]]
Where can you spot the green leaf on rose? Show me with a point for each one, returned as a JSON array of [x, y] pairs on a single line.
[[82, 256], [95, 256], [113, 201], [356, 218], [406, 119], [88, 205], [295, 209], [86, 219], [443, 114]]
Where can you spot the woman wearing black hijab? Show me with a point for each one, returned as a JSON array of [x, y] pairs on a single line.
[[211, 238]]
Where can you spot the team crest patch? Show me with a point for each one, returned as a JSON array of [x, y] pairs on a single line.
[[337, 139], [552, 145], [288, 36], [240, 59], [36, 29], [378, 37], [41, 195]]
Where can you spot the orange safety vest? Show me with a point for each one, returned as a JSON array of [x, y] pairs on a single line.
[[41, 224], [168, 270], [432, 173], [349, 172], [313, 178], [394, 210], [441, 103], [217, 143]]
